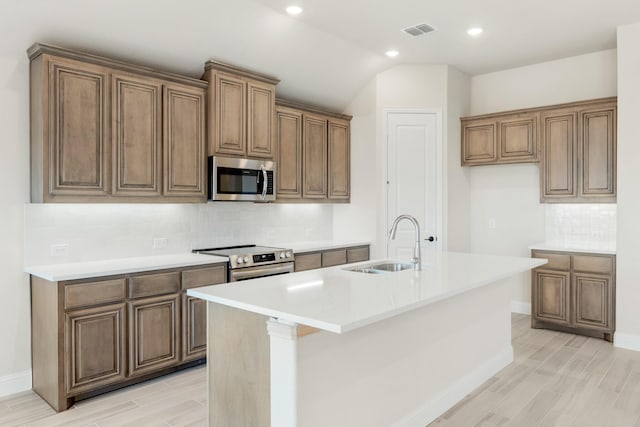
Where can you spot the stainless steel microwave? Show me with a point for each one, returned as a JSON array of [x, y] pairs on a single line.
[[241, 179]]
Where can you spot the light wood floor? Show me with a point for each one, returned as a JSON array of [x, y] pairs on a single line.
[[178, 399], [557, 379]]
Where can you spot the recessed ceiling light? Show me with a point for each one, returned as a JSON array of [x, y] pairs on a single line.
[[475, 31], [392, 53], [294, 10]]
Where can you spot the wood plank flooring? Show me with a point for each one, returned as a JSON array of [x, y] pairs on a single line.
[[178, 399], [557, 379]]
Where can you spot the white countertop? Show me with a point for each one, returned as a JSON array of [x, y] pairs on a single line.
[[318, 245], [339, 301], [608, 248], [84, 270]]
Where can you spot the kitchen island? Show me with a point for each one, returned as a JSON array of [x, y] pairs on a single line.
[[345, 348]]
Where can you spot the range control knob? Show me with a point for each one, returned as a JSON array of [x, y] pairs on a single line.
[[246, 259], [282, 255], [240, 260], [288, 254]]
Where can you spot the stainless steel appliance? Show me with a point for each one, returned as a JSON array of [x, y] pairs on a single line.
[[251, 261], [241, 179]]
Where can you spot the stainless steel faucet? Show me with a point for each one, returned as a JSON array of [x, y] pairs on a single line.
[[417, 258]]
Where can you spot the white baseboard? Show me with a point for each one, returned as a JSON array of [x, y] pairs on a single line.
[[457, 391], [15, 383], [628, 341], [521, 307]]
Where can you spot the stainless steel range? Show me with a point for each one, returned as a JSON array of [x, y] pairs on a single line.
[[251, 261]]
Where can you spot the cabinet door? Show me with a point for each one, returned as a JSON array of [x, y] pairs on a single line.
[[261, 104], [79, 150], [334, 257], [479, 142], [194, 328], [357, 254], [94, 345], [593, 300], [289, 161], [184, 141], [518, 139], [598, 154], [137, 135], [153, 333], [559, 167], [551, 296], [314, 165], [305, 262], [230, 115], [338, 168]]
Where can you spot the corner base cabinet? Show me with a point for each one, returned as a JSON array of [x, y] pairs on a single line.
[[94, 335], [574, 292]]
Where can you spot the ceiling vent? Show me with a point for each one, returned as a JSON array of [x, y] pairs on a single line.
[[418, 30]]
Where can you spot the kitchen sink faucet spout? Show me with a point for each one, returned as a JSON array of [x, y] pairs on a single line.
[[416, 251]]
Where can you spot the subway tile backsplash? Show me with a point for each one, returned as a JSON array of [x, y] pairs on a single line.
[[107, 231], [580, 224]]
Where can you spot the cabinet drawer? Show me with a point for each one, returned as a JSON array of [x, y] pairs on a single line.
[[94, 293], [308, 261], [358, 254], [556, 261], [204, 277], [336, 257], [154, 284], [593, 264]]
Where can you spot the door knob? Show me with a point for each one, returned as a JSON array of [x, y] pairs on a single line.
[[431, 238]]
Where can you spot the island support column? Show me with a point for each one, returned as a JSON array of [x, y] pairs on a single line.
[[284, 368]]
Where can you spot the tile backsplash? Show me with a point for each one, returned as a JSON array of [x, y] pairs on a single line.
[[580, 224], [106, 231]]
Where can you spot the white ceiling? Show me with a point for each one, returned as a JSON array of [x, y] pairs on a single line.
[[327, 54]]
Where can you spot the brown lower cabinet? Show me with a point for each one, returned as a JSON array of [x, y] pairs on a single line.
[[318, 259], [574, 292], [94, 335]]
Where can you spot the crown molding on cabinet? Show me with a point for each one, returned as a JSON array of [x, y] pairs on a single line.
[[38, 49], [310, 108], [240, 72]]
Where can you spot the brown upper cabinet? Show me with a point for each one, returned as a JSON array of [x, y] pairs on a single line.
[[500, 138], [313, 154], [241, 111], [108, 131], [579, 152], [575, 144]]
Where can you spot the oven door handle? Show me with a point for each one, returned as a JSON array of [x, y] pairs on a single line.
[[260, 272], [264, 182]]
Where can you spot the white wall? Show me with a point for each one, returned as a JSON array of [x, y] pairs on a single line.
[[15, 334], [457, 220], [509, 194], [102, 231], [628, 267]]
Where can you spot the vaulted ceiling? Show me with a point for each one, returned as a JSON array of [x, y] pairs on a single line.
[[329, 52]]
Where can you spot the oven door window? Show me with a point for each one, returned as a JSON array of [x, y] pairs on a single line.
[[239, 181]]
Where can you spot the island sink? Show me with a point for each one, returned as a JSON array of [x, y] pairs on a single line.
[[386, 267]]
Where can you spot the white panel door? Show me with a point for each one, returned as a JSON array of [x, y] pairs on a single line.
[[412, 172]]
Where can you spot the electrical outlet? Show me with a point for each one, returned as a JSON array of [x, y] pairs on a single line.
[[61, 249], [492, 223], [160, 242]]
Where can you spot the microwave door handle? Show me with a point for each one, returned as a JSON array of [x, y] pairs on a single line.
[[264, 182]]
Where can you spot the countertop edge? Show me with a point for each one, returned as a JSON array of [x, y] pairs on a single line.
[[119, 266], [575, 249]]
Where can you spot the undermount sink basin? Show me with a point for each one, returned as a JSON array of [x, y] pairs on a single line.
[[385, 267]]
